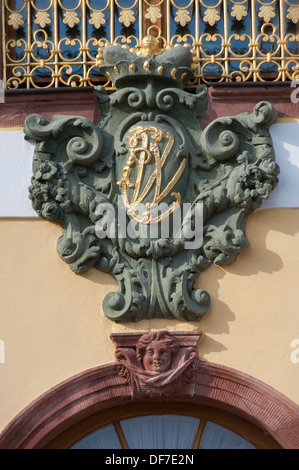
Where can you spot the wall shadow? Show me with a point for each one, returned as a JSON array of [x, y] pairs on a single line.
[[258, 257]]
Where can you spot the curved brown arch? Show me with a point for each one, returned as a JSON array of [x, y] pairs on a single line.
[[102, 388]]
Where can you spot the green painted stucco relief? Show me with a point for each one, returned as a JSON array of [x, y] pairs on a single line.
[[147, 195]]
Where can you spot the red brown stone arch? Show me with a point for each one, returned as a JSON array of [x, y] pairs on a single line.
[[102, 388]]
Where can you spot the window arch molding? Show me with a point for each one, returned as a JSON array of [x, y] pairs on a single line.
[[205, 415], [101, 389]]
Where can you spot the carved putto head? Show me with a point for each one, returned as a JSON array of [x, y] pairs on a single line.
[[157, 363], [155, 350]]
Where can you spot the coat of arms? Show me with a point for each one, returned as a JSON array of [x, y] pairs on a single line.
[[147, 195]]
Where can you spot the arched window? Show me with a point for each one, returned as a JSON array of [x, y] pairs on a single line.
[[164, 426], [226, 408]]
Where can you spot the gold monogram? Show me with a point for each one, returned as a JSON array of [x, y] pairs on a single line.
[[143, 145]]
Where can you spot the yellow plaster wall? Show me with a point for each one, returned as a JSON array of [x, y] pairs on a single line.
[[53, 327]]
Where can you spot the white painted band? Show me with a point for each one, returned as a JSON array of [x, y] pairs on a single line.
[[16, 170], [15, 176], [285, 138]]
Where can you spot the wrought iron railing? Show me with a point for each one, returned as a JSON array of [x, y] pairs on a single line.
[[54, 43]]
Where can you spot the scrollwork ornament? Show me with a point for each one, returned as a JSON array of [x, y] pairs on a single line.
[[147, 195]]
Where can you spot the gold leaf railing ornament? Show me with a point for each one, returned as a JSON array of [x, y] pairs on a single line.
[[56, 43]]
